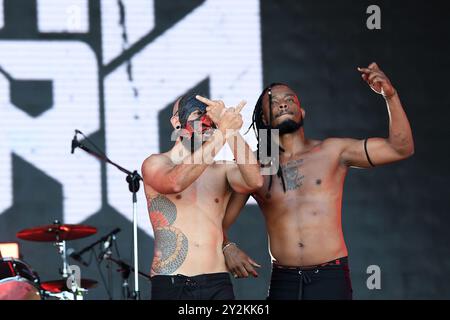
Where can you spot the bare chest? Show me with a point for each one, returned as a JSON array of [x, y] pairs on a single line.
[[208, 193], [211, 188], [313, 175]]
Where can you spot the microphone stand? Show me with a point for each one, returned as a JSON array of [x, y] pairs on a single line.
[[102, 239], [133, 179], [125, 269]]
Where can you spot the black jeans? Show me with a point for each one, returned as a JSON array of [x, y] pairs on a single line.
[[212, 286], [329, 281]]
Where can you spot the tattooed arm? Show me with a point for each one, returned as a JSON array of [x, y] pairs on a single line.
[[165, 177], [244, 176]]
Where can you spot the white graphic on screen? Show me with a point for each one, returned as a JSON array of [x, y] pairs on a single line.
[[138, 20], [43, 141], [218, 41], [63, 16]]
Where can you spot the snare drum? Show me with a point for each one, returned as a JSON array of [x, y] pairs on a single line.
[[18, 281]]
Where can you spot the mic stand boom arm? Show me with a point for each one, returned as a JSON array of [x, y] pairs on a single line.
[[133, 179]]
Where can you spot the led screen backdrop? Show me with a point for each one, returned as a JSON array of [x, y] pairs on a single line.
[[113, 68]]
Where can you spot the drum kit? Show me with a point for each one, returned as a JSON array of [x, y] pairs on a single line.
[[18, 281]]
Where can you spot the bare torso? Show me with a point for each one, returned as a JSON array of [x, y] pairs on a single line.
[[188, 225], [304, 223]]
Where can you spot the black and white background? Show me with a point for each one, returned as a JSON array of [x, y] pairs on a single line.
[[112, 69]]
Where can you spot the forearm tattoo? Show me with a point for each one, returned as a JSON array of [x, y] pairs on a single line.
[[171, 245]]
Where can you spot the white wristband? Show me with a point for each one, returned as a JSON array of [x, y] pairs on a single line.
[[227, 245]]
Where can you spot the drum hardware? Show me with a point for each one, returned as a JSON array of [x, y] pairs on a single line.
[[69, 287], [125, 270]]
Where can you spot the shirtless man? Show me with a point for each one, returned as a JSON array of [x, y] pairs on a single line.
[[187, 195], [302, 208]]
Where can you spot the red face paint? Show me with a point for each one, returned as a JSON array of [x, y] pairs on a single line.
[[205, 123]]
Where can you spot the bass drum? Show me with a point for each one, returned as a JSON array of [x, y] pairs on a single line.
[[18, 281]]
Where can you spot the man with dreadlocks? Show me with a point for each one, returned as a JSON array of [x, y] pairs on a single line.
[[301, 204], [187, 194]]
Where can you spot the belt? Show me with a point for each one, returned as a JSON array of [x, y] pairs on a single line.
[[335, 262]]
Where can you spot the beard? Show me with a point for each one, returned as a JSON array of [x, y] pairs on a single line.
[[289, 126]]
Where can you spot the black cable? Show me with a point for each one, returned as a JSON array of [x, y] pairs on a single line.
[[90, 258], [117, 250], [110, 277]]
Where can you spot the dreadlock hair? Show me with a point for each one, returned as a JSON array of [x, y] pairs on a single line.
[[258, 123]]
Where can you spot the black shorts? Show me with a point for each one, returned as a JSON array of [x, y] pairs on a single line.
[[328, 281], [211, 286]]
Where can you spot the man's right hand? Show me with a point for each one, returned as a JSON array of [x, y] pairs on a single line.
[[231, 121], [239, 263], [225, 118]]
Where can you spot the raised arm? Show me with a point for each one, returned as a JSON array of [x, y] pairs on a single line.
[[244, 176], [165, 177], [377, 151]]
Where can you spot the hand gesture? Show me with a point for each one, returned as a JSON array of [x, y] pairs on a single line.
[[214, 109], [224, 118], [377, 80]]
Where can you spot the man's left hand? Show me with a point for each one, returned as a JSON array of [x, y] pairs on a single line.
[[377, 80], [215, 108]]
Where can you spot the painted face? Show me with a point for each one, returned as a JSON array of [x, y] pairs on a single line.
[[190, 109], [200, 125], [196, 126]]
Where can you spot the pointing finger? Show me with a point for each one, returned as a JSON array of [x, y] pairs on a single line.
[[365, 70], [204, 100], [240, 106]]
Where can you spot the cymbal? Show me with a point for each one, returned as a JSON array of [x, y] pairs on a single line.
[[57, 286], [56, 232]]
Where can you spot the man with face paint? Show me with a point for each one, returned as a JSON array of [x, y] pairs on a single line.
[[187, 194], [302, 203]]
